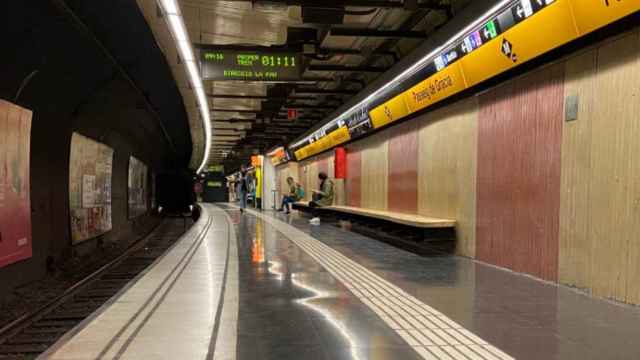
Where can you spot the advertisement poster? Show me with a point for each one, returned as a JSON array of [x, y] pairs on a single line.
[[137, 187], [90, 167], [15, 201]]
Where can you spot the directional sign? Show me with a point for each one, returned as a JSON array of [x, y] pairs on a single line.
[[507, 50], [489, 31]]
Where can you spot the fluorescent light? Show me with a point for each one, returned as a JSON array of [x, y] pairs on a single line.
[[170, 6], [413, 68], [194, 77], [180, 35], [185, 51], [177, 28]]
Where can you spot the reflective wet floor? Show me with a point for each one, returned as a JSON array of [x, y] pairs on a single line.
[[292, 307]]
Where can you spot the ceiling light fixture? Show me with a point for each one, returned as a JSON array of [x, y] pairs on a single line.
[[183, 44]]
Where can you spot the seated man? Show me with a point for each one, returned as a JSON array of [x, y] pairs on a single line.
[[296, 193], [322, 197]]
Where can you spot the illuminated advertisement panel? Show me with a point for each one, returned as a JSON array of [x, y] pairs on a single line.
[[15, 202], [90, 168]]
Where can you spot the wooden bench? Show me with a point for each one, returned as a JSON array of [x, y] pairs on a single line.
[[415, 232], [395, 217]]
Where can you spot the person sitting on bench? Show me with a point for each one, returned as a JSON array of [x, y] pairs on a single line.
[[322, 197], [296, 193]]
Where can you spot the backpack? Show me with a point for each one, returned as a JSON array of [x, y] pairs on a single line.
[[300, 192]]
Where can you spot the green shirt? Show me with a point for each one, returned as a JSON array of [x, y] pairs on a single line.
[[293, 191], [327, 193]]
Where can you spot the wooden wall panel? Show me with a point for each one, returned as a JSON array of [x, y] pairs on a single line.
[[574, 260], [323, 164], [600, 215], [331, 165], [374, 175], [283, 172], [353, 181], [447, 169], [308, 171], [310, 168], [403, 168], [518, 189]]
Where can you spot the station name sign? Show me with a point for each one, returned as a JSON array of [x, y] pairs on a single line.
[[250, 65], [516, 33]]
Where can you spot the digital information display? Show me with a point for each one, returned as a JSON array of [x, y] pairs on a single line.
[[517, 33], [250, 65]]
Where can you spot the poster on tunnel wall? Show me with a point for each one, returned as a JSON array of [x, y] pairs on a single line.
[[15, 200], [90, 168], [137, 187]]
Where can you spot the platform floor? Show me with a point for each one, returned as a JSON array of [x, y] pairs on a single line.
[[295, 291]]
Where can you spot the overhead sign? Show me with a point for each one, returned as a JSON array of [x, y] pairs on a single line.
[[516, 33], [502, 43], [278, 156], [250, 65], [215, 168]]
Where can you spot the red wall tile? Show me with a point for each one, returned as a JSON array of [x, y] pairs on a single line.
[[403, 168], [352, 184], [518, 183]]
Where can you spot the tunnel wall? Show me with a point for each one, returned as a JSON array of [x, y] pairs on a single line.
[[113, 119], [127, 100], [530, 191]]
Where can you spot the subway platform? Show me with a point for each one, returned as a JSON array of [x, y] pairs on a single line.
[[264, 285]]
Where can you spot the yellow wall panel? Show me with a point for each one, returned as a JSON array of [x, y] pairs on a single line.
[[600, 211], [593, 14], [308, 171], [447, 169], [575, 243], [374, 173], [392, 110], [312, 178]]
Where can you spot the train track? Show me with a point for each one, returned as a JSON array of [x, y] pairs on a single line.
[[32, 334]]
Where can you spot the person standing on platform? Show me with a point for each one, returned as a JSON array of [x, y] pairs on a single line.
[[322, 197], [296, 193], [242, 188]]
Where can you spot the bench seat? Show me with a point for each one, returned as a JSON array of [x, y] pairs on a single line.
[[399, 218], [412, 220]]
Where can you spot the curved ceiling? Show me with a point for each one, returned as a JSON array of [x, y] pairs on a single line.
[[346, 45], [74, 49]]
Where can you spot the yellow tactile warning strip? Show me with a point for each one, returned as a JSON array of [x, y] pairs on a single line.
[[429, 332]]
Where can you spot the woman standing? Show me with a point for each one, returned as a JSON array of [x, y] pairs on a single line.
[[242, 188]]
